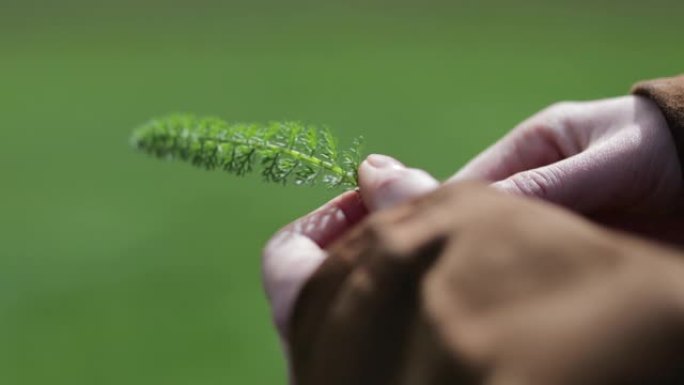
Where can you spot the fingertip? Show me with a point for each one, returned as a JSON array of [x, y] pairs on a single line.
[[386, 182]]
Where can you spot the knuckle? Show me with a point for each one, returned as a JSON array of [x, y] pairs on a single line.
[[535, 183], [559, 128], [558, 114], [548, 122], [562, 106]]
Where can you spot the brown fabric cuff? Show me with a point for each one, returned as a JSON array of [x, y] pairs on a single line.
[[668, 94]]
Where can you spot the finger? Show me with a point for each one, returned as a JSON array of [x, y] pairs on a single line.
[[329, 221], [384, 182], [296, 251], [288, 260], [576, 182], [534, 143]]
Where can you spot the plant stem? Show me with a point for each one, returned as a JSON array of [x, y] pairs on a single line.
[[304, 158]]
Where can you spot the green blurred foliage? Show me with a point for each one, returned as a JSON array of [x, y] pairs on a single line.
[[120, 269]]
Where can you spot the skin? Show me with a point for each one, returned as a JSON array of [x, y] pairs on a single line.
[[544, 297], [298, 249], [560, 155], [565, 152]]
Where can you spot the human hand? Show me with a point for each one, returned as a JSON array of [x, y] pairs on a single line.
[[613, 155], [506, 291], [296, 251]]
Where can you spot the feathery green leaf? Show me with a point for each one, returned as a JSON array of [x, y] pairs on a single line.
[[284, 151]]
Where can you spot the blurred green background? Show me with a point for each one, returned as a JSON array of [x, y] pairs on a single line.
[[120, 269]]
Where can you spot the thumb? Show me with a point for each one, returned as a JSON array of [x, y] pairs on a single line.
[[385, 182]]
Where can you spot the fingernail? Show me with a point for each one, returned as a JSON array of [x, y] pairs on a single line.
[[383, 161]]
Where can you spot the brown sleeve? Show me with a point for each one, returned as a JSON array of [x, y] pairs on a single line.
[[668, 94], [467, 283]]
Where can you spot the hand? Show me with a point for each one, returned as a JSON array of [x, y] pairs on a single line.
[[296, 251], [608, 155], [505, 291]]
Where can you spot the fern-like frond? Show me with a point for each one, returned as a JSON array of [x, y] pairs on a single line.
[[283, 151]]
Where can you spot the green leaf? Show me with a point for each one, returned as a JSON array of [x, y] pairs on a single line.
[[283, 151]]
